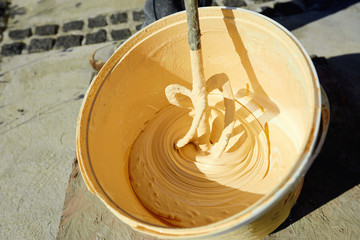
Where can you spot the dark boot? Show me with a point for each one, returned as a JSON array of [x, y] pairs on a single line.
[[157, 9]]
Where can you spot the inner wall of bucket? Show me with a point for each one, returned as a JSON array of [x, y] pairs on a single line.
[[267, 71]]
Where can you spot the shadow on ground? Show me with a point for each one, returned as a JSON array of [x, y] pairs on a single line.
[[337, 168], [295, 14]]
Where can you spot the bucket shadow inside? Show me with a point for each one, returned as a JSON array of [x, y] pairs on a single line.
[[272, 110]]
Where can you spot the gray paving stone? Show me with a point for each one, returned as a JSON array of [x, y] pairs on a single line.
[[138, 15], [97, 37], [12, 49], [120, 34], [99, 21], [40, 45], [118, 18], [68, 41], [138, 27], [46, 30], [73, 25], [20, 34], [3, 6]]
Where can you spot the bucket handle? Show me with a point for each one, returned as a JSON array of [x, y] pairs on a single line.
[[324, 126]]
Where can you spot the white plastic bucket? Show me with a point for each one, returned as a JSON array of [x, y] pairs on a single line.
[[259, 56]]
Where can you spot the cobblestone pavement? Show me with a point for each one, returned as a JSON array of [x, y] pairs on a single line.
[[114, 25], [45, 47]]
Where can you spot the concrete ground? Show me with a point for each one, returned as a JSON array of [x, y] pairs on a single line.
[[41, 93]]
